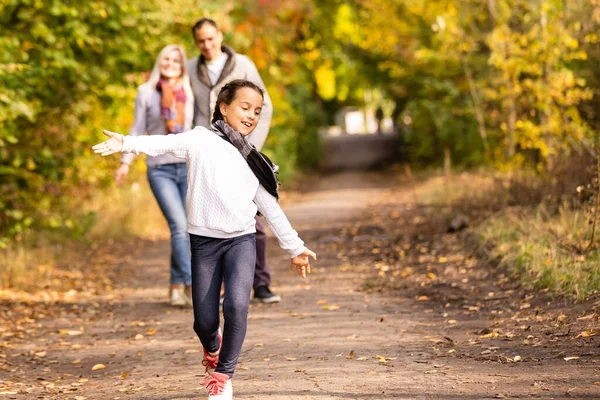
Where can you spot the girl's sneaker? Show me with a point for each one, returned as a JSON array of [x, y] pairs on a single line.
[[210, 362], [219, 386]]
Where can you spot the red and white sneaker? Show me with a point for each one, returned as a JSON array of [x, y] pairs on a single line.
[[219, 386], [210, 362]]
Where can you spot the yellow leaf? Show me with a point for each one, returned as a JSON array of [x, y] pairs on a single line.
[[321, 302], [139, 336], [98, 367], [362, 358], [571, 358], [151, 331], [350, 355], [331, 307], [588, 333]]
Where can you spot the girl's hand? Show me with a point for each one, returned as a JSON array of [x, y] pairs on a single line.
[[301, 262], [110, 146]]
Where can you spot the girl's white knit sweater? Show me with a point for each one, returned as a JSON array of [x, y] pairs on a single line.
[[223, 193]]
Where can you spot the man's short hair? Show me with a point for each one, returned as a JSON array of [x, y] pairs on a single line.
[[200, 23]]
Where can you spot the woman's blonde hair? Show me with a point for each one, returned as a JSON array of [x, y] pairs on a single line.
[[185, 76]]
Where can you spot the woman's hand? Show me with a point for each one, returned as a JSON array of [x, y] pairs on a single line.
[[110, 146], [301, 262], [121, 173]]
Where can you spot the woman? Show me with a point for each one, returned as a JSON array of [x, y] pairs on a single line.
[[165, 105], [229, 182]]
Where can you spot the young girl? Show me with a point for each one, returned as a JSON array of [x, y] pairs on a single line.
[[229, 181]]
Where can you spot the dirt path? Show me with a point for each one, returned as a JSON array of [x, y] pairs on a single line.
[[395, 309]]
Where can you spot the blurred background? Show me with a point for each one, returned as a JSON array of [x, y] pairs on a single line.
[[504, 87]]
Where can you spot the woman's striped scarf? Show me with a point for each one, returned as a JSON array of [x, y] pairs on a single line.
[[172, 105]]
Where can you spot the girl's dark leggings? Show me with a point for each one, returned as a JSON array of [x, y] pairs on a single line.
[[231, 262]]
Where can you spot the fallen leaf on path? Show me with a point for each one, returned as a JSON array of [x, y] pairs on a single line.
[[562, 317], [362, 358], [300, 370], [291, 358], [423, 298], [70, 332], [41, 354], [124, 375], [321, 302], [258, 345], [331, 307], [287, 340], [151, 331], [78, 361], [586, 317], [571, 358], [588, 333], [350, 355], [98, 367], [139, 336], [384, 360]]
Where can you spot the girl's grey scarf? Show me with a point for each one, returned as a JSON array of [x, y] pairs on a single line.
[[263, 168]]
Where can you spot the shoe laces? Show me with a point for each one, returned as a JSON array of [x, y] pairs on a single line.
[[210, 362], [214, 385]]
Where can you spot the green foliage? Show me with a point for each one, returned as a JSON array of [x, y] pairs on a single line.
[[507, 82]]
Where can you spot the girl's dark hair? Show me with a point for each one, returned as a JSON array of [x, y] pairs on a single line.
[[200, 23], [228, 92]]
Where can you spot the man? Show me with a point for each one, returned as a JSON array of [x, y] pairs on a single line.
[[217, 65]]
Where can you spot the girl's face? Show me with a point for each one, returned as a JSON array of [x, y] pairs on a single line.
[[244, 111], [170, 65]]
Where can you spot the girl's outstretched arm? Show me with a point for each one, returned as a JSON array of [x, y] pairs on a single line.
[[282, 229], [153, 145]]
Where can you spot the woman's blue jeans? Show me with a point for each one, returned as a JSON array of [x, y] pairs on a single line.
[[169, 185]]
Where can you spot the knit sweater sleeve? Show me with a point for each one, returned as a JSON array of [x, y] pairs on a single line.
[[280, 226], [178, 145]]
